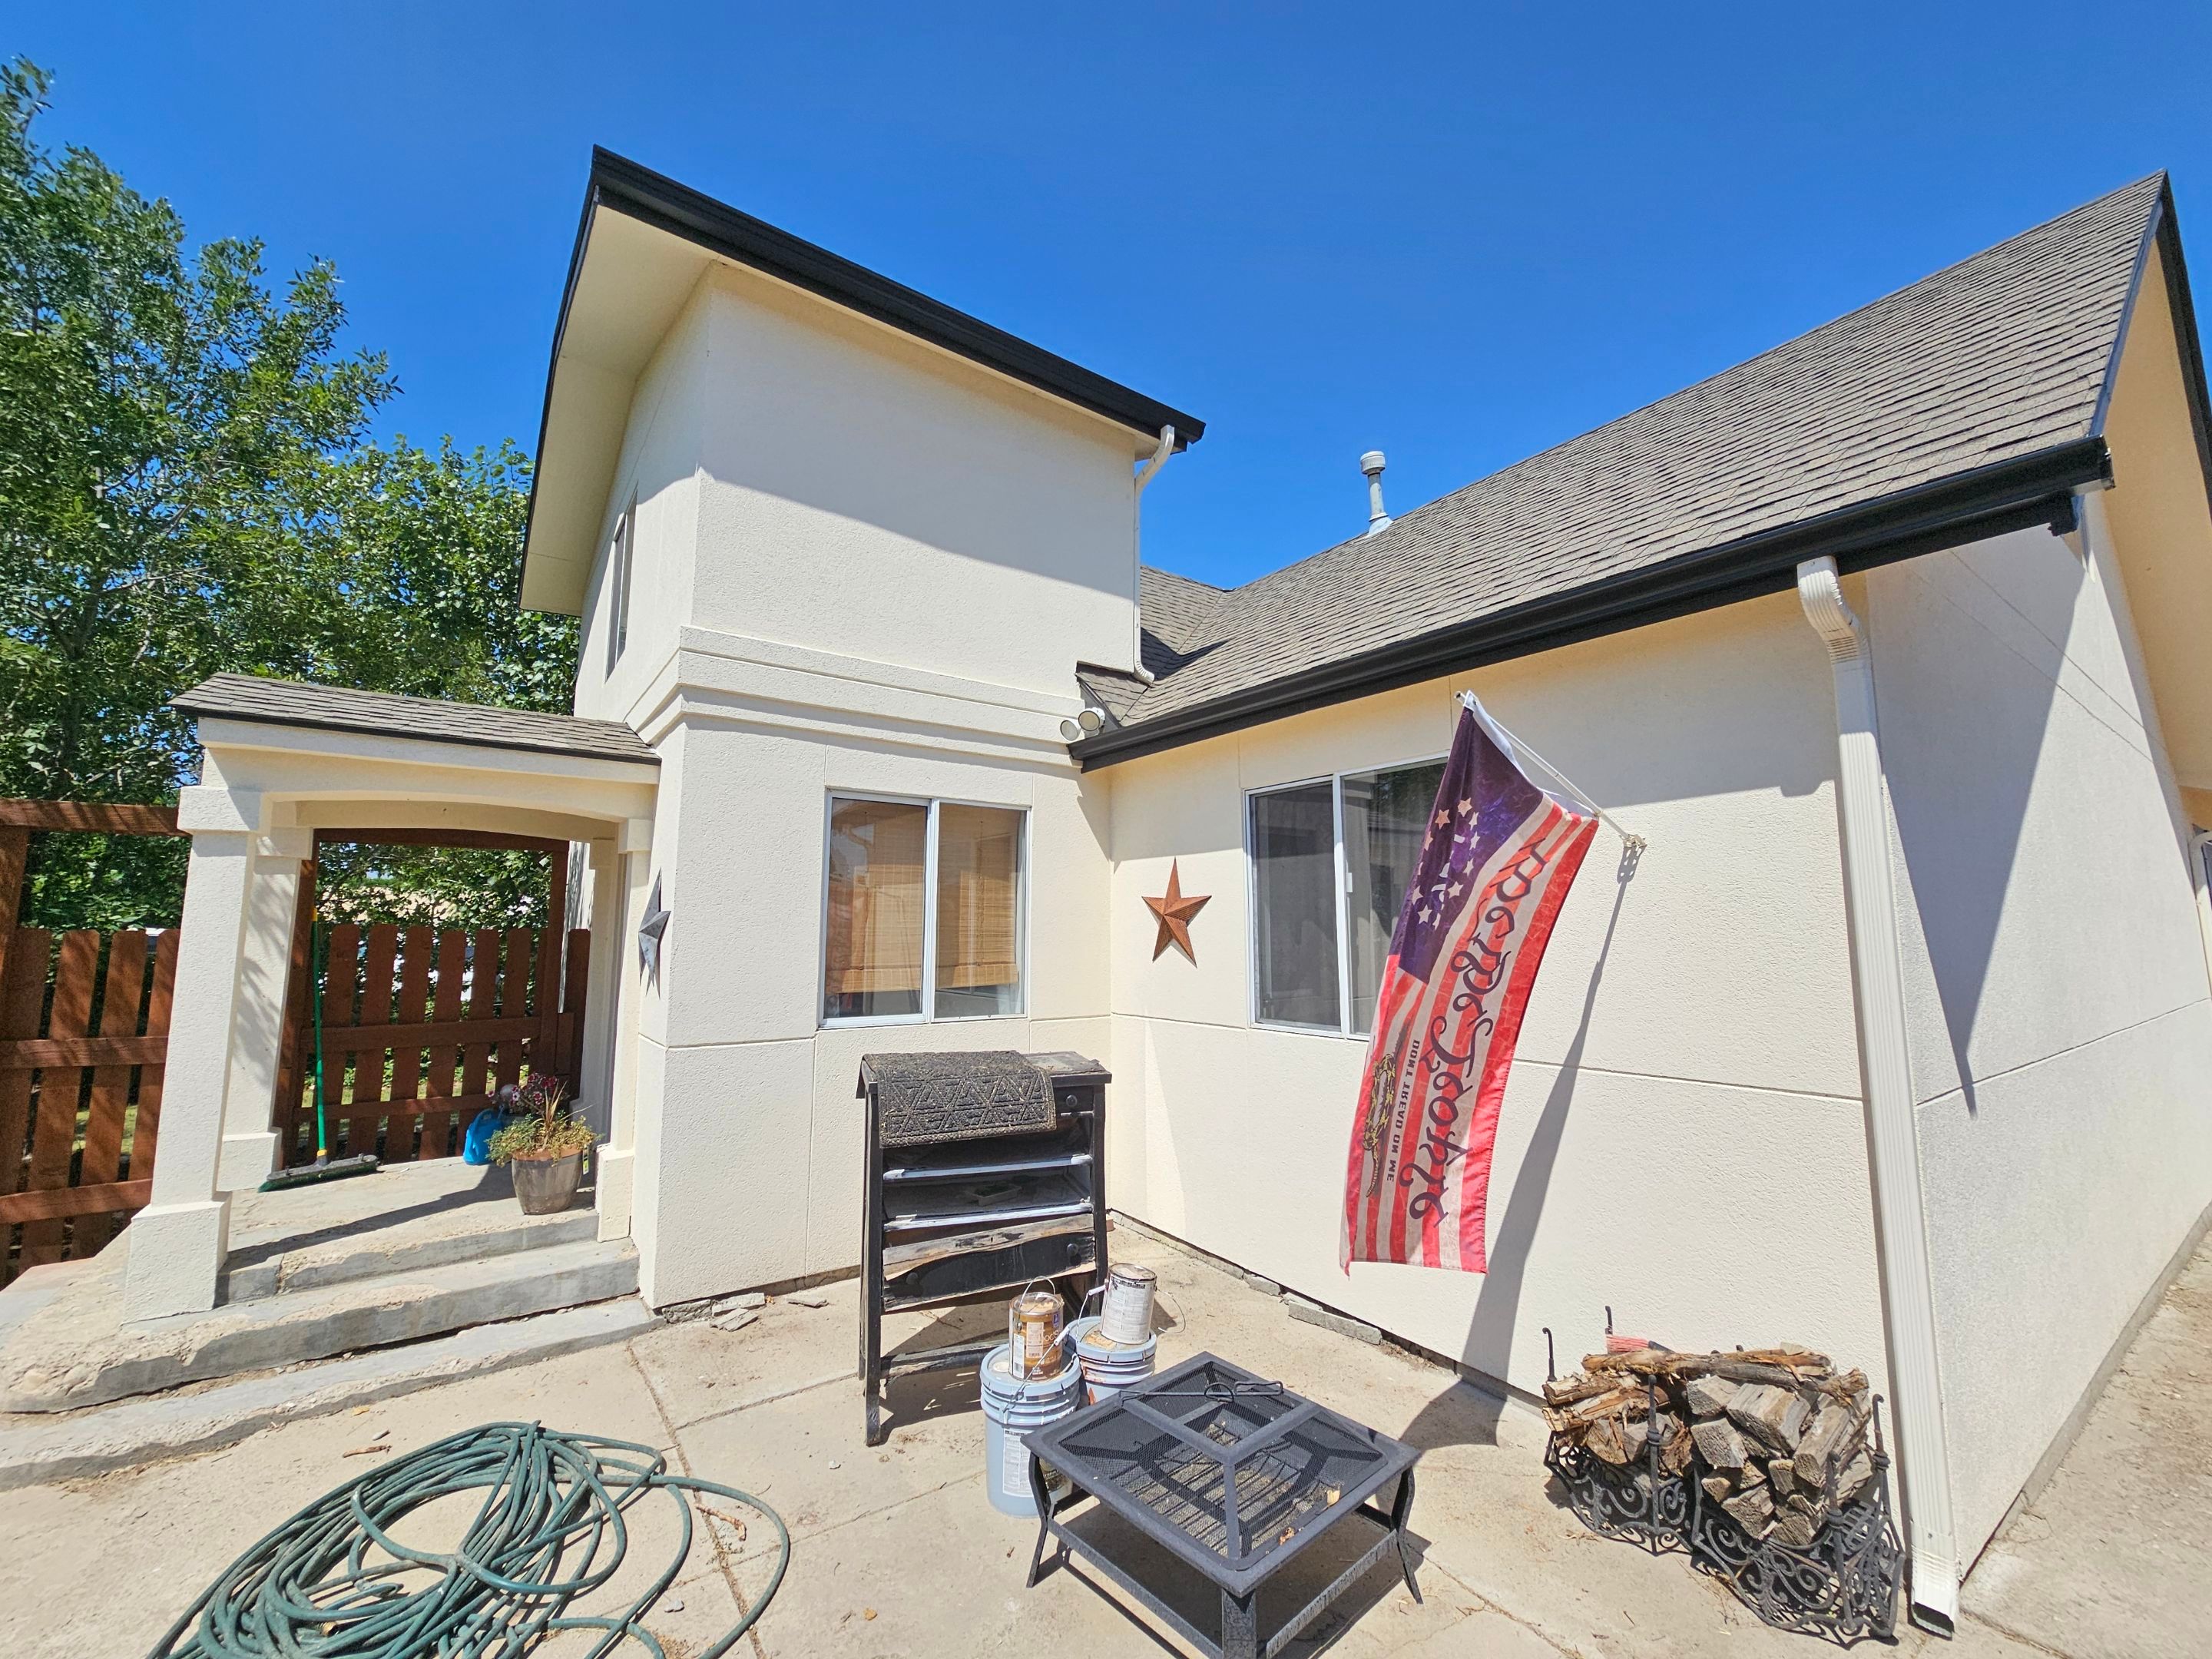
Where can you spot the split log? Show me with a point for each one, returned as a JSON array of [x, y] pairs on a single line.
[[1720, 1444], [1751, 1510], [1857, 1476], [1709, 1395], [1566, 1390], [1796, 1530], [1837, 1428], [1603, 1440], [1774, 1416]]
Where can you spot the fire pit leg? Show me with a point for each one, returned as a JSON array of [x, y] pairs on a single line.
[[1239, 1627], [1400, 1509], [1043, 1499]]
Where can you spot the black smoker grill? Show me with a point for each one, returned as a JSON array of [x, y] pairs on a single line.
[[986, 1170], [1233, 1476]]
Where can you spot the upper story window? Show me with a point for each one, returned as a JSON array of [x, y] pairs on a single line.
[[1330, 861], [618, 584], [925, 911]]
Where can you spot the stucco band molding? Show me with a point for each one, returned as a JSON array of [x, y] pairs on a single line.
[[1886, 1076], [792, 690]]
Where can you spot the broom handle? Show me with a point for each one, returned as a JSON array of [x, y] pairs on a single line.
[[319, 960]]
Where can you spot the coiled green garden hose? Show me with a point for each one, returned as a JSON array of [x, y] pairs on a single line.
[[552, 1526]]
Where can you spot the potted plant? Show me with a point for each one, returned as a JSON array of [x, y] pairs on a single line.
[[544, 1146]]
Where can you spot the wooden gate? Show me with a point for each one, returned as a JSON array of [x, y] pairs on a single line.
[[84, 1023], [422, 1026]]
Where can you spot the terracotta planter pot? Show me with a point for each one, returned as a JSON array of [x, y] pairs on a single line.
[[546, 1186]]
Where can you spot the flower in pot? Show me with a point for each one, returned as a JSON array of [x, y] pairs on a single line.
[[543, 1147]]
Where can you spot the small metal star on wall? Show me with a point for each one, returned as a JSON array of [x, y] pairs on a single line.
[[649, 933], [1174, 913]]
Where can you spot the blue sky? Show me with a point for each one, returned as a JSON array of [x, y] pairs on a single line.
[[1459, 235]]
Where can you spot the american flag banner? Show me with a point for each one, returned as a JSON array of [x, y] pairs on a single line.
[[1499, 855]]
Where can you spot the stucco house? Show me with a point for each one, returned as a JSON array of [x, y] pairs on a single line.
[[1897, 1040]]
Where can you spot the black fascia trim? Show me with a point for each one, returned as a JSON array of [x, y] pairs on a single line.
[[658, 200], [1989, 501]]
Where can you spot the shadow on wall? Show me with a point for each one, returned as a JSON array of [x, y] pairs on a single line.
[[1963, 732], [1463, 1415]]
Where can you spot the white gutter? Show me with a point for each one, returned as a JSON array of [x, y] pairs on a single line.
[[1143, 477], [1893, 1135]]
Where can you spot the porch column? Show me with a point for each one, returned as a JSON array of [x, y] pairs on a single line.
[[177, 1242], [622, 877], [249, 1134]]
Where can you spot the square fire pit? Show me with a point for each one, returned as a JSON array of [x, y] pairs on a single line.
[[1233, 1476]]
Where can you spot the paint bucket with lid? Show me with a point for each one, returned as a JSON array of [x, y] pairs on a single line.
[[1108, 1366], [1125, 1314], [1013, 1406]]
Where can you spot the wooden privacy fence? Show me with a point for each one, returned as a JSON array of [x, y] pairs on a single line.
[[420, 1029], [84, 1023]]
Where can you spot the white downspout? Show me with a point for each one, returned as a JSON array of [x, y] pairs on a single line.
[[1145, 475], [1886, 1073]]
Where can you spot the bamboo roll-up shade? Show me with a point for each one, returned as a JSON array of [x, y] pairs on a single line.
[[979, 873], [876, 853]]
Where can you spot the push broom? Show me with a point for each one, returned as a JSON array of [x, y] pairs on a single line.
[[324, 1168]]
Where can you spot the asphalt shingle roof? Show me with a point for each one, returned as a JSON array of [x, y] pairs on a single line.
[[331, 708], [2004, 353]]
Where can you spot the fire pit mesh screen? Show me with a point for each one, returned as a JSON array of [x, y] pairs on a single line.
[[1172, 1452]]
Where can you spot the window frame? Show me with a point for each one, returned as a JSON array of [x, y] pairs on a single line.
[[1343, 1028], [621, 564], [928, 1014]]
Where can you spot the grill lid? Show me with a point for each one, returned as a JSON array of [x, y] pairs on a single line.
[[925, 1098]]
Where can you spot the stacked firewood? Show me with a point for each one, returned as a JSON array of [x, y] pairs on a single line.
[[1778, 1436]]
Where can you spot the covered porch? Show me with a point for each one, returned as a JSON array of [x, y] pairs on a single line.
[[283, 763]]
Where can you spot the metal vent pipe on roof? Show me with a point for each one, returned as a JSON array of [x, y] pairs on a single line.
[[1372, 464]]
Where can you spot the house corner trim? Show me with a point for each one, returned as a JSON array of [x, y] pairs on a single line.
[[1886, 1076]]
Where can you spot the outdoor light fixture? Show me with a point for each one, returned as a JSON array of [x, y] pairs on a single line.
[[1088, 721]]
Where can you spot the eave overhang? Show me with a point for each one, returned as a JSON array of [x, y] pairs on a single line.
[[664, 235], [2036, 489]]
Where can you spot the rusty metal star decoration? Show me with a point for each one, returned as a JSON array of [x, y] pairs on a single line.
[[1175, 912]]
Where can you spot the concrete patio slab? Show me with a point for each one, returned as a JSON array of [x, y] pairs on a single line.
[[2114, 1558], [905, 1531]]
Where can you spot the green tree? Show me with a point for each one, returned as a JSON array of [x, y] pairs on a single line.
[[187, 486]]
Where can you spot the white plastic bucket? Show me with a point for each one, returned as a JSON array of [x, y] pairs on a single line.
[[1108, 1366], [1012, 1408]]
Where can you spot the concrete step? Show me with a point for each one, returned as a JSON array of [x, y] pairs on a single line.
[[402, 1220], [49, 1366], [69, 1445]]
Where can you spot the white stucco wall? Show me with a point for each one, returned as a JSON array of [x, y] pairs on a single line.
[[2062, 1036], [748, 1170], [659, 469], [864, 493], [1682, 1134], [861, 565]]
